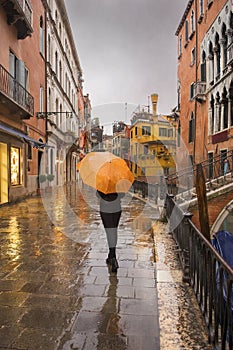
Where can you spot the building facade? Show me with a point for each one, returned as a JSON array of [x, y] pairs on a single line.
[[152, 145], [205, 80], [22, 86], [64, 95], [121, 140]]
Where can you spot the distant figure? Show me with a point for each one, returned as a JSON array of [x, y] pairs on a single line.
[[225, 166], [110, 212]]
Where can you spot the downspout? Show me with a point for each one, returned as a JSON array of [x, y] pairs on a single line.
[[46, 93], [196, 78]]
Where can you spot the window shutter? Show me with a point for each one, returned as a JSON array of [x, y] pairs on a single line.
[[20, 73]]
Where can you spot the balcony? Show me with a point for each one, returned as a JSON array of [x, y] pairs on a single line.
[[14, 98], [19, 14], [199, 91]]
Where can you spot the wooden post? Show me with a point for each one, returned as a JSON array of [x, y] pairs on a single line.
[[202, 202]]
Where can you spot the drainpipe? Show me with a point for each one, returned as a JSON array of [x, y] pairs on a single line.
[[196, 78], [45, 50]]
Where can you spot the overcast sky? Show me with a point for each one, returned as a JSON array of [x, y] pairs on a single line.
[[127, 50]]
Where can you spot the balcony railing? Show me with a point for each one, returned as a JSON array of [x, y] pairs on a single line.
[[19, 14], [200, 90], [11, 88], [207, 273]]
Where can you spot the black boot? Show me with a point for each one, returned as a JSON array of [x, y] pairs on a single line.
[[111, 259]]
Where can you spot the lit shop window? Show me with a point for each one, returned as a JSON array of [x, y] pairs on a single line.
[[16, 178]]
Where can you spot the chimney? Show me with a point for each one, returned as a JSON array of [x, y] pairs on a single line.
[[154, 100]]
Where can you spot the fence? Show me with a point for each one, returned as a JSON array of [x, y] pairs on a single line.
[[216, 169], [208, 274]]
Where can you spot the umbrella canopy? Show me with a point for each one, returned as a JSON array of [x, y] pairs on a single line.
[[105, 172]]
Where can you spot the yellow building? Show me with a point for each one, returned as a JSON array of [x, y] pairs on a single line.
[[152, 144]]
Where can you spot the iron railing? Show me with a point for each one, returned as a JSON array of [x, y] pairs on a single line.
[[14, 90], [208, 274], [214, 174]]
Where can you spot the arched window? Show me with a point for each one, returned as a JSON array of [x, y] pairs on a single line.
[[225, 108], [225, 44], [203, 66], [56, 63], [211, 63], [218, 112], [217, 50], [212, 126]]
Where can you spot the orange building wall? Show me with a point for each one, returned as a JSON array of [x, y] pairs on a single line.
[[27, 50], [187, 76]]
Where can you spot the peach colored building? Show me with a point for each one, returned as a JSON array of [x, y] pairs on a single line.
[[22, 87], [205, 79]]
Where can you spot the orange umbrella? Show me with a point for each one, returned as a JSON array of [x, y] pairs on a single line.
[[105, 172]]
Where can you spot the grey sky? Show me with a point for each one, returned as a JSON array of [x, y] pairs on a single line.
[[127, 50]]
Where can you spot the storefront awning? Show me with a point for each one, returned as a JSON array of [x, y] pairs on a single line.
[[19, 134]]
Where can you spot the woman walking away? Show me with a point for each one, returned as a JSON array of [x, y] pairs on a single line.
[[110, 212]]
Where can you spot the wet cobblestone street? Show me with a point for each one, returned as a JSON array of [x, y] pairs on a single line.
[[56, 291]]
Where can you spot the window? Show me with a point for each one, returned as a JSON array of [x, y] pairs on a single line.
[[170, 132], [163, 132], [136, 131], [211, 164], [41, 99], [56, 63], [41, 35], [225, 44], [180, 45], [193, 53], [18, 70], [192, 22], [146, 130], [49, 48], [29, 152], [146, 149], [203, 67], [186, 31], [191, 91], [218, 54], [191, 128], [51, 161], [178, 134], [16, 171], [60, 72], [201, 7]]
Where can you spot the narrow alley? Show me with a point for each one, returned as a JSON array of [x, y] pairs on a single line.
[[56, 291]]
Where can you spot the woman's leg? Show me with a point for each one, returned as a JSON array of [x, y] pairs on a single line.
[[111, 222]]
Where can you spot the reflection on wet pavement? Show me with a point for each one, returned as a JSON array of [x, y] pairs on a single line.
[[56, 291]]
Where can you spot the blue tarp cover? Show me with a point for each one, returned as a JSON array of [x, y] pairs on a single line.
[[223, 243]]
